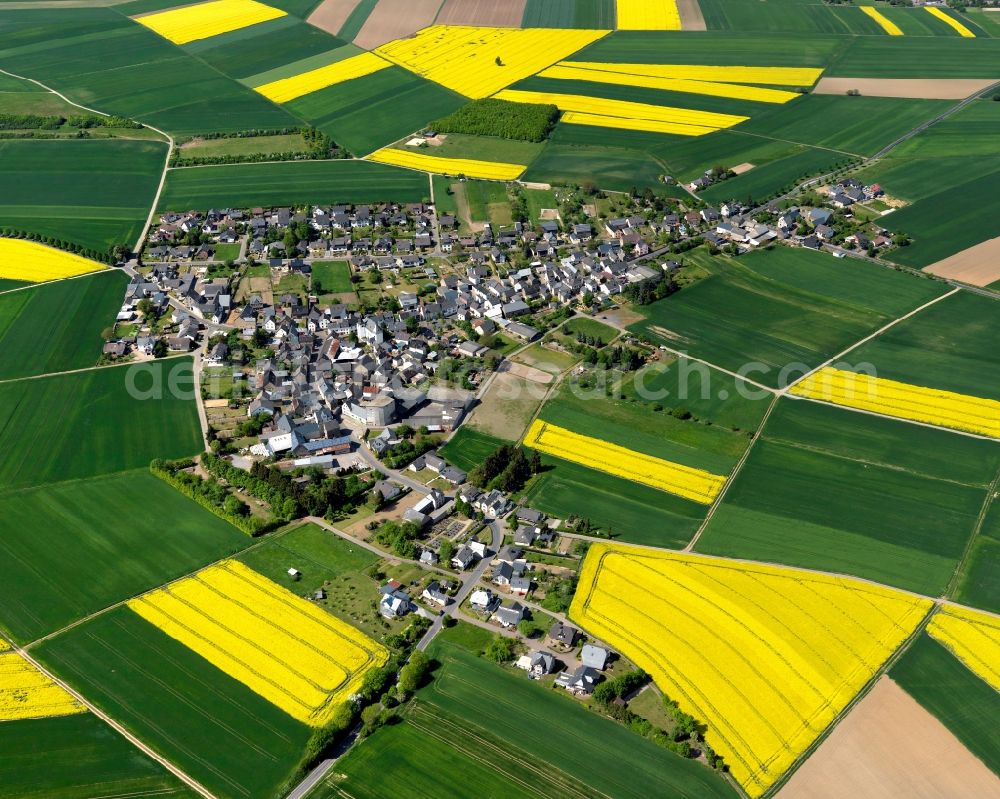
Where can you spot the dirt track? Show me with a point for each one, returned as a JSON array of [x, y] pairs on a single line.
[[890, 747], [916, 88], [396, 19], [977, 266], [330, 15], [496, 13], [691, 16]]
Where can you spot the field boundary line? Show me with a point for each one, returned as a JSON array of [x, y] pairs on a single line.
[[95, 368], [758, 434], [956, 576], [37, 284], [119, 728], [952, 430], [258, 542], [796, 143], [868, 338], [867, 689]]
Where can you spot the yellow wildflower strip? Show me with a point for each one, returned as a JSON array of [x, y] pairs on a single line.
[[973, 637], [478, 62], [697, 485], [567, 71], [768, 76], [883, 21], [288, 89], [34, 262], [202, 21], [26, 693], [282, 647], [765, 656], [695, 122], [902, 400], [470, 168], [648, 15], [948, 19]]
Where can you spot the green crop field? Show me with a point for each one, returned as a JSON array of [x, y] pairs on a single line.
[[57, 326], [451, 740], [708, 394], [95, 193], [467, 448], [482, 195], [594, 14], [804, 49], [965, 704], [784, 15], [635, 426], [260, 48], [100, 58], [231, 740], [370, 112], [485, 148], [773, 309], [626, 510], [76, 547], [978, 585], [864, 124], [776, 177], [444, 195], [950, 345], [290, 183], [67, 757], [916, 56], [839, 491], [936, 235], [333, 277], [617, 169], [77, 425]]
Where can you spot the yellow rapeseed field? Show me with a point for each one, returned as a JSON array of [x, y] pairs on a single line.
[[684, 481], [26, 693], [478, 62], [649, 125], [768, 76], [626, 112], [973, 637], [903, 400], [883, 21], [765, 656], [568, 71], [945, 17], [28, 260], [190, 23], [282, 647], [485, 170], [648, 15], [288, 89]]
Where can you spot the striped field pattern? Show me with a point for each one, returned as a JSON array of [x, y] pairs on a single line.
[[902, 400], [287, 650], [288, 89], [697, 485], [767, 657], [973, 637]]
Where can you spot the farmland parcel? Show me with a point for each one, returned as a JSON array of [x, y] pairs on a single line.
[[478, 62], [76, 547], [826, 488], [766, 657], [684, 481], [64, 757], [293, 654], [234, 742], [973, 637], [965, 703], [26, 693], [201, 21], [33, 262], [57, 327]]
